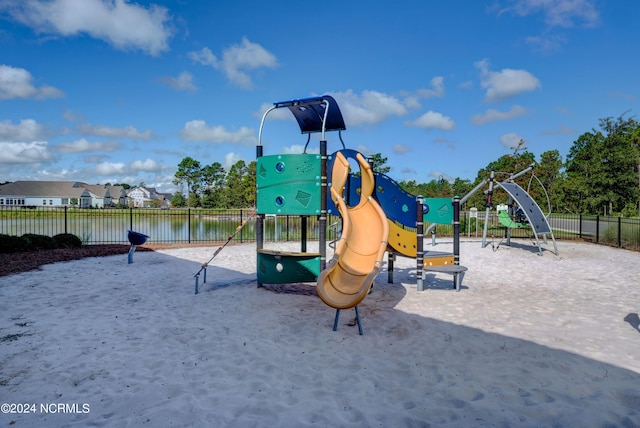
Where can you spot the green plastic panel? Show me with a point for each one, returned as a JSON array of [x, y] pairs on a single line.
[[440, 210], [285, 268], [289, 184]]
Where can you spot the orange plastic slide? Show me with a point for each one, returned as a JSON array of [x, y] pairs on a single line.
[[359, 253]]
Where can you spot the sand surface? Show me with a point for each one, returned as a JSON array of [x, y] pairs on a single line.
[[529, 341]]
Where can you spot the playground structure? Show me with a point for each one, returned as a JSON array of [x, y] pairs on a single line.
[[297, 184], [406, 215], [521, 210]]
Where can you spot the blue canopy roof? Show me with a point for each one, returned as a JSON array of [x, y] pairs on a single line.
[[309, 112]]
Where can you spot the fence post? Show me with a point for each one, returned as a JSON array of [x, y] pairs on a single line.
[[65, 219], [619, 231], [580, 227], [130, 218], [189, 225], [241, 223], [598, 229]]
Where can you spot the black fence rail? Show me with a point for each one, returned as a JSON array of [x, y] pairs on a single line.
[[110, 226], [622, 232]]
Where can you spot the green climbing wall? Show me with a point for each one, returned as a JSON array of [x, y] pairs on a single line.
[[288, 184], [440, 210], [275, 267]]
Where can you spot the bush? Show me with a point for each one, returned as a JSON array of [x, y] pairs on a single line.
[[12, 244], [67, 240], [39, 242]]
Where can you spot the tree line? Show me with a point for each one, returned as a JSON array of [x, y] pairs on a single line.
[[210, 186], [600, 175]]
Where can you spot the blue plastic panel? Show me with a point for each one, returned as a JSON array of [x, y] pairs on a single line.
[[309, 113], [396, 203]]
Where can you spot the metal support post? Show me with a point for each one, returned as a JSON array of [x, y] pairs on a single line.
[[419, 243]]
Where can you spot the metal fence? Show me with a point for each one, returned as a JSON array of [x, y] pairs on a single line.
[[110, 226], [165, 226], [622, 232]]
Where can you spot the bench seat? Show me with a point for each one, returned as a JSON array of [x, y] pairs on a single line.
[[454, 270]]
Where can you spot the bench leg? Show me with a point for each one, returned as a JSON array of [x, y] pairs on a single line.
[[457, 279]]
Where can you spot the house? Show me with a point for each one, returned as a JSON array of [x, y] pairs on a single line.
[[60, 194], [45, 193], [145, 197], [106, 196]]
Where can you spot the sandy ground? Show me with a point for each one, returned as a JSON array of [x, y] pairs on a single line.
[[529, 341]]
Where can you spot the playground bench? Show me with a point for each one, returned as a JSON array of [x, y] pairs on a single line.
[[454, 270]]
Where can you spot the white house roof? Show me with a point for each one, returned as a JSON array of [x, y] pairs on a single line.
[[45, 189]]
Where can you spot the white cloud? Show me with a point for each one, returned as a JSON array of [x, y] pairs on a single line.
[[121, 23], [84, 146], [506, 83], [294, 149], [401, 148], [437, 89], [56, 175], [18, 83], [110, 168], [557, 13], [26, 130], [205, 57], [230, 159], [20, 153], [370, 107], [547, 42], [183, 82], [511, 141], [364, 150], [492, 115], [432, 119], [277, 114], [412, 101], [237, 60], [147, 165], [438, 175], [198, 130], [408, 171], [106, 131]]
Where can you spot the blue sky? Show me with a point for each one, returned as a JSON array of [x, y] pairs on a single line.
[[120, 91]]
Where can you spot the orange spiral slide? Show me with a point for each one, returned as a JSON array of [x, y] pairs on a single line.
[[357, 261]]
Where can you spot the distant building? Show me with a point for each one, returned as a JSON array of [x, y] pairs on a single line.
[[61, 194], [106, 196], [148, 197]]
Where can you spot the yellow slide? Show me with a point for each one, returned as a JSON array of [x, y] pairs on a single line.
[[359, 253]]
